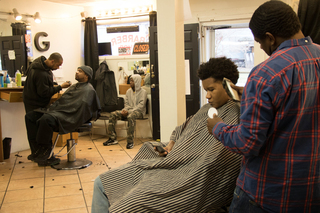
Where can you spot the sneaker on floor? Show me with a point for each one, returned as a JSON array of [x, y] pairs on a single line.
[[49, 162], [31, 157], [42, 154], [129, 145], [110, 142], [34, 155]]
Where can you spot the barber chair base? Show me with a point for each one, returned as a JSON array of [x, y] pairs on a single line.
[[78, 164]]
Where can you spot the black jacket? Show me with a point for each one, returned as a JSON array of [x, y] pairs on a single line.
[[106, 86], [38, 88]]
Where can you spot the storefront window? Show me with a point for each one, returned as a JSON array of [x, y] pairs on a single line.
[[122, 38], [233, 41], [236, 44]]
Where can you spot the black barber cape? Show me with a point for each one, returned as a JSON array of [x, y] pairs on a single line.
[[77, 105]]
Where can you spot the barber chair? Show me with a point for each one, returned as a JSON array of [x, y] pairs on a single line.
[[72, 162]]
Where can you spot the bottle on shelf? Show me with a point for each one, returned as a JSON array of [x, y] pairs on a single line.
[[1, 80], [18, 78]]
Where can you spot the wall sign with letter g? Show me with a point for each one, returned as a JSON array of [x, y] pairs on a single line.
[[45, 43]]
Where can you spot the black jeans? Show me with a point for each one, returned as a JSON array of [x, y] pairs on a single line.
[[242, 203], [40, 128]]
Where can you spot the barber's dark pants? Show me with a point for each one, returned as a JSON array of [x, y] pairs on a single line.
[[29, 107], [242, 203], [40, 128]]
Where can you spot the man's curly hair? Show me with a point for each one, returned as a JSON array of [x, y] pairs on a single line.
[[275, 17], [219, 68]]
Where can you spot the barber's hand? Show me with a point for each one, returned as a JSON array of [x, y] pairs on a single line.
[[239, 89], [124, 113], [212, 122], [66, 84]]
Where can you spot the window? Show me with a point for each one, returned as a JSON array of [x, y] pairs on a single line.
[[123, 37], [235, 42]]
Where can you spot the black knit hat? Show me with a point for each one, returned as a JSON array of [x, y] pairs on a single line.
[[87, 70]]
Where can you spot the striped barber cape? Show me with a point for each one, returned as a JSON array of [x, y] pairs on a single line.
[[198, 175]]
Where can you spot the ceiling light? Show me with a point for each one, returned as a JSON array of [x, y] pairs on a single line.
[[130, 10], [16, 14], [37, 18], [137, 10], [83, 14]]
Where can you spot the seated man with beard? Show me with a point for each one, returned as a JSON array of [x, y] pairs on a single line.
[[78, 104], [194, 174]]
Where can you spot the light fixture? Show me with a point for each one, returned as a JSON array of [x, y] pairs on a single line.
[[37, 18], [16, 14], [19, 16], [125, 12]]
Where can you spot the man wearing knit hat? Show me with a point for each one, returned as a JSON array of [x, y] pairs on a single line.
[[78, 104]]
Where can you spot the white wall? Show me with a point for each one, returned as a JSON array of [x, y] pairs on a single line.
[[63, 25], [61, 22]]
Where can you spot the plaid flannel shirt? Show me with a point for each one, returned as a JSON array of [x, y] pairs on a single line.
[[279, 130]]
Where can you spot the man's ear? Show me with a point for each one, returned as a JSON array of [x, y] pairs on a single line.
[[271, 38]]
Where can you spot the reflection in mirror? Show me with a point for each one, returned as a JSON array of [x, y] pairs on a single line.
[[126, 69]]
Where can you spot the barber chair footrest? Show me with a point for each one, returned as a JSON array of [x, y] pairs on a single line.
[[78, 164]]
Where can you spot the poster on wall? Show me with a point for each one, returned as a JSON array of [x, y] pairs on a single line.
[[124, 50], [187, 76]]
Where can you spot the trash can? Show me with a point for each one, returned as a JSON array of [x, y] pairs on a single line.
[[6, 147]]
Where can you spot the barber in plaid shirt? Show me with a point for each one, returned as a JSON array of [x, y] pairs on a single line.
[[279, 131]]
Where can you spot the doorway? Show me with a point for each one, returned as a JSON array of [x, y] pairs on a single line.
[[13, 54]]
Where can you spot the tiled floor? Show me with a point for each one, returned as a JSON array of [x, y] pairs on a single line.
[[27, 188]]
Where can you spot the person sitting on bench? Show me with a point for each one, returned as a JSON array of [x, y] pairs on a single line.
[[134, 107], [195, 173], [77, 105]]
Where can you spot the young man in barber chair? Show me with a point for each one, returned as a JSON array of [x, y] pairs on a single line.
[[77, 105]]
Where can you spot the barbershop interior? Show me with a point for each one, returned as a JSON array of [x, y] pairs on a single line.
[[162, 41]]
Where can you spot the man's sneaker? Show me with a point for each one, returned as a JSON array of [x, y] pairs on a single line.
[[110, 142], [42, 154], [49, 162], [129, 145], [30, 157]]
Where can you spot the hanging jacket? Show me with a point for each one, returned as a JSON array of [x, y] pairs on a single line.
[[106, 86]]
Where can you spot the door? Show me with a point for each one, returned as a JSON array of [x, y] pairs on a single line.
[[153, 46], [191, 51], [17, 46], [192, 55]]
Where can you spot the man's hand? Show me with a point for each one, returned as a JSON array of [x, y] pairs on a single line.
[[162, 154], [239, 89], [66, 84], [212, 122], [168, 149], [124, 113]]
